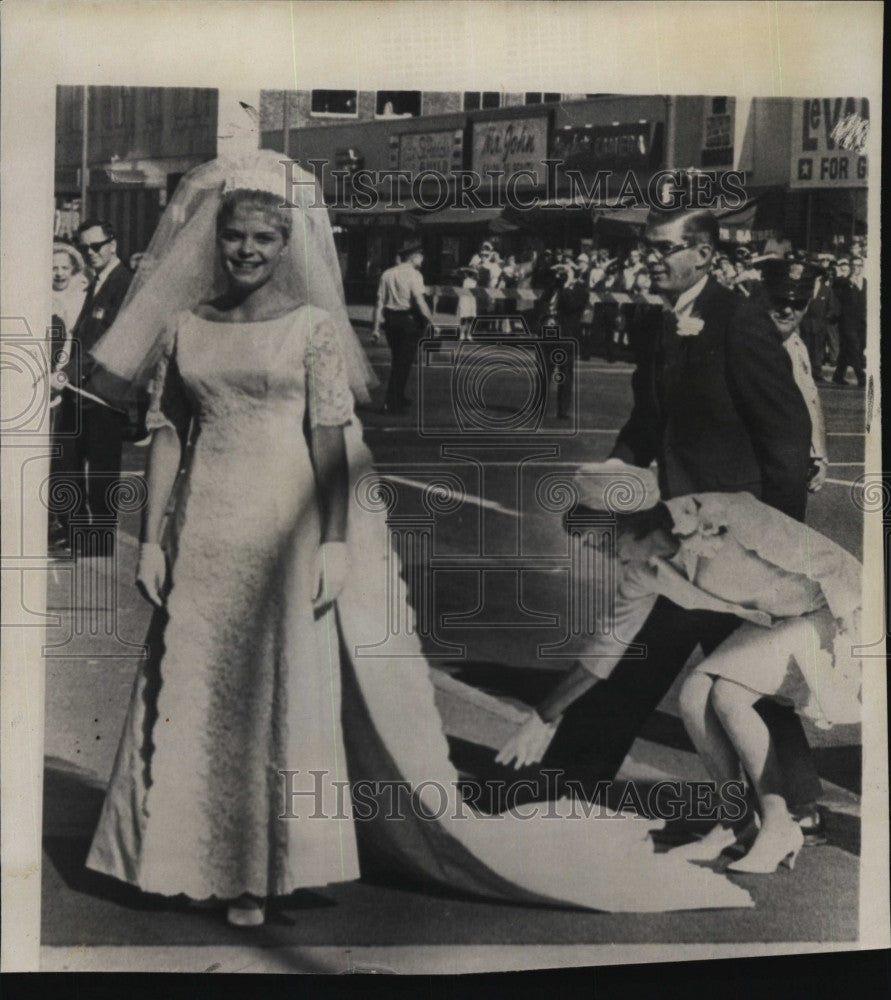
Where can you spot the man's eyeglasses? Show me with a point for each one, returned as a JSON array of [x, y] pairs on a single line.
[[95, 247], [663, 249]]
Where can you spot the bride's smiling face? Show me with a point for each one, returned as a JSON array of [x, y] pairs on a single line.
[[251, 246]]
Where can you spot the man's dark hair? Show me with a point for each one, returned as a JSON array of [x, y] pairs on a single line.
[[641, 523], [106, 227], [700, 225]]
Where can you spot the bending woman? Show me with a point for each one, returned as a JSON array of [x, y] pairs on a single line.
[[797, 596]]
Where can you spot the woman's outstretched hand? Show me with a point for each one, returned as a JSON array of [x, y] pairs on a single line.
[[529, 742], [330, 572], [819, 469], [151, 572]]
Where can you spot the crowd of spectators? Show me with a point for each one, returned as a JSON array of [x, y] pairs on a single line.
[[834, 327]]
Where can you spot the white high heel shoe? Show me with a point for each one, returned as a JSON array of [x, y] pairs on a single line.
[[711, 846], [247, 911], [773, 847], [708, 847]]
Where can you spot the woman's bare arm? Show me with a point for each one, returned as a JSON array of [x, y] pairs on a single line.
[[165, 455], [328, 450]]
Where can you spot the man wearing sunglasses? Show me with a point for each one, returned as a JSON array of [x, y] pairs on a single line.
[[717, 408], [91, 433]]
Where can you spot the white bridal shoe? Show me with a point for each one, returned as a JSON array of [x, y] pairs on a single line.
[[711, 846], [772, 848]]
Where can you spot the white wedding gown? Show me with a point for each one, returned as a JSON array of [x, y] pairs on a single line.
[[243, 682]]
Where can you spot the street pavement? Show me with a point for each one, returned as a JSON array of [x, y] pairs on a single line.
[[498, 576]]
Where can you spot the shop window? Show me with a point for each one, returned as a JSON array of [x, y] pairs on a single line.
[[474, 100], [398, 104], [719, 105], [335, 103], [537, 97]]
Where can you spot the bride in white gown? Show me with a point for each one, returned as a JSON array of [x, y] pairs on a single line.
[[269, 577]]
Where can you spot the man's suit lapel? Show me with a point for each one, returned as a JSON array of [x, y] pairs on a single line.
[[87, 308], [673, 352], [705, 300]]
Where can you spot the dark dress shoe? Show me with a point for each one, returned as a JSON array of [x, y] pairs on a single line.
[[813, 828]]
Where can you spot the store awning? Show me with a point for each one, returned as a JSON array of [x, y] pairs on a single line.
[[383, 212], [634, 216], [736, 226], [622, 222], [449, 217]]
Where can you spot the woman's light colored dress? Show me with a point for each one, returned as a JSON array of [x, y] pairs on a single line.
[[797, 594]]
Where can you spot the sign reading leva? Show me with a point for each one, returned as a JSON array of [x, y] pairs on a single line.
[[828, 142], [511, 145]]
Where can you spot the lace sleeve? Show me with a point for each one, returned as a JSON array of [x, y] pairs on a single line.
[[328, 392], [168, 402]]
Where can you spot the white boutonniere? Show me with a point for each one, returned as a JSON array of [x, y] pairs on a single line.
[[689, 326]]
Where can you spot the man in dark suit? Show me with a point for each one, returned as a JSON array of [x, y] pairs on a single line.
[[822, 313], [716, 405], [850, 289], [91, 433], [563, 304]]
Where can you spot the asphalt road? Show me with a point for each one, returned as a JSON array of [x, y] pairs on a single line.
[[499, 602]]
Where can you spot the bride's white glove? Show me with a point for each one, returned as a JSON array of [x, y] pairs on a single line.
[[330, 572], [151, 572], [529, 742]]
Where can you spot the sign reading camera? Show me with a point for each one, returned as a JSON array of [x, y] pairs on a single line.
[[829, 142]]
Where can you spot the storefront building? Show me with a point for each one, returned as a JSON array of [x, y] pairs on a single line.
[[806, 167], [524, 175], [139, 142]]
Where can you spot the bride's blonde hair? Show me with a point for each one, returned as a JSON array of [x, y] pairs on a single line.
[[263, 201]]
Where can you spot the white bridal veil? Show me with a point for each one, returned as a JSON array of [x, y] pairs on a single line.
[[181, 267]]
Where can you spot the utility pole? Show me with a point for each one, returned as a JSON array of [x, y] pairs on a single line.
[[84, 151], [670, 113]]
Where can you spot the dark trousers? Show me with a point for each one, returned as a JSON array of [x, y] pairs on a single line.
[[815, 341], [850, 352], [89, 466], [401, 332], [831, 343], [597, 731]]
